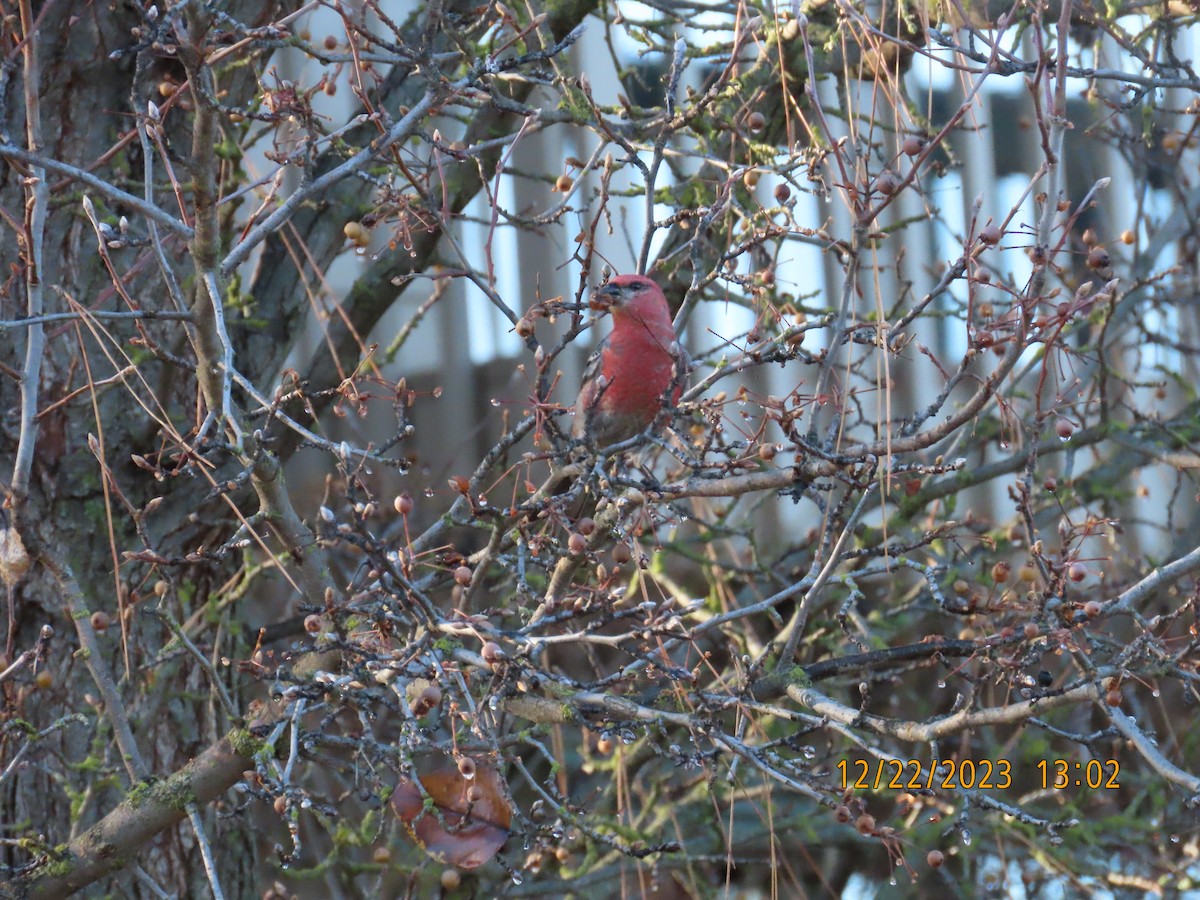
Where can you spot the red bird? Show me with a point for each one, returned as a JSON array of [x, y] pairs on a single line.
[[627, 378]]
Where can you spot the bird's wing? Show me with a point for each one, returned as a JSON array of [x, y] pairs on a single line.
[[591, 370]]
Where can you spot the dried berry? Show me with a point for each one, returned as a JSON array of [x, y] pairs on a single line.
[[492, 653], [356, 234], [1098, 258]]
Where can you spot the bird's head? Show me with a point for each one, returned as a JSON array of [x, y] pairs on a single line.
[[631, 293]]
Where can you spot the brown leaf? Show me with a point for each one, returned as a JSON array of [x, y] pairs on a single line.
[[475, 811]]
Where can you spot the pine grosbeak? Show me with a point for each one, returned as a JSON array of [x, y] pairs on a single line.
[[627, 378]]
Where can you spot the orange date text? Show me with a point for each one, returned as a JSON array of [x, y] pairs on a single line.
[[915, 774]]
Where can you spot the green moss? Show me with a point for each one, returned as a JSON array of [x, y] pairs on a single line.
[[175, 792], [29, 729], [246, 744], [59, 868], [228, 149], [138, 794], [799, 677]]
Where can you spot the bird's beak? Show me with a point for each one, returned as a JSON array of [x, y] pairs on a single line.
[[603, 299]]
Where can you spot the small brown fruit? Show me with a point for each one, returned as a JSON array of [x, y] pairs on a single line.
[[427, 701], [100, 620], [576, 544], [991, 235], [403, 504], [1098, 258], [462, 575], [935, 858], [564, 183], [783, 193], [756, 122], [492, 653], [450, 879], [887, 184]]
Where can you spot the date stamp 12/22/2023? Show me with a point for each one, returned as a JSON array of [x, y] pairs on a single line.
[[984, 774]]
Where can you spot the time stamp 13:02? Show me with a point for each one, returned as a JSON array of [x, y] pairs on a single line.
[[949, 774]]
